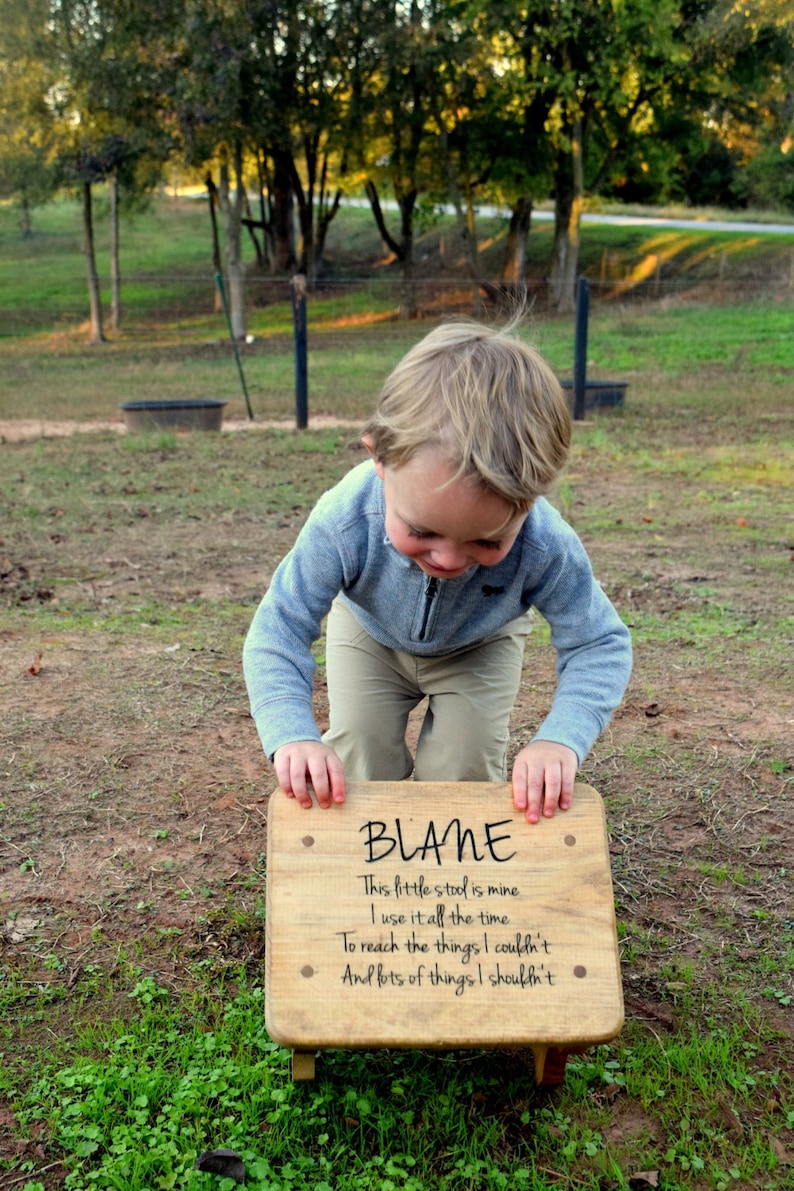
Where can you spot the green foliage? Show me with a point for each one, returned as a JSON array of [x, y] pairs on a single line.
[[142, 1097]]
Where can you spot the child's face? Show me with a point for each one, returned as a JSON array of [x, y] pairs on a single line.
[[445, 530]]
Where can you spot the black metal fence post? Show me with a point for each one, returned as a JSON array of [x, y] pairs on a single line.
[[301, 363], [580, 349]]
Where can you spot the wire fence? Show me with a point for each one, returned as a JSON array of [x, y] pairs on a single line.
[[188, 304]]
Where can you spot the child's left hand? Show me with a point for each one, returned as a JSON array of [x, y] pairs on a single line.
[[543, 777]]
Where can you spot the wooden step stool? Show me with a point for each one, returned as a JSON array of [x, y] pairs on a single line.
[[432, 915]]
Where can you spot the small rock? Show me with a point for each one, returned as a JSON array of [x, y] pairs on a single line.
[[223, 1162]]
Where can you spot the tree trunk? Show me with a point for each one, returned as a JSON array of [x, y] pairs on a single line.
[[266, 214], [464, 218], [408, 304], [575, 221], [115, 269], [562, 295], [27, 227], [307, 263], [259, 249], [403, 248], [217, 267], [231, 201], [563, 203], [96, 332], [514, 269], [283, 222], [327, 208], [325, 217], [568, 207], [473, 255]]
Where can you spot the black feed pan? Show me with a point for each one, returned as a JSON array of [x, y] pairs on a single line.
[[598, 394], [170, 415]]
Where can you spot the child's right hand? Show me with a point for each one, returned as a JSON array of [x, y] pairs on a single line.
[[309, 763]]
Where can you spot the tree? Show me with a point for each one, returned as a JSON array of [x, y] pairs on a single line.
[[502, 122], [590, 71], [742, 97], [310, 65], [721, 109], [128, 84], [211, 96], [263, 93], [473, 116], [99, 104], [396, 110], [27, 171]]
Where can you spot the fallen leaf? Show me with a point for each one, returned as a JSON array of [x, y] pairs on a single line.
[[729, 1117], [784, 1156], [36, 667], [654, 1012], [653, 709], [644, 1178], [20, 927]]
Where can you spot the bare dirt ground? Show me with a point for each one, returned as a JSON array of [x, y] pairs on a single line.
[[29, 429], [136, 789]]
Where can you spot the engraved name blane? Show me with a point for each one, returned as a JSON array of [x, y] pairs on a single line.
[[455, 842]]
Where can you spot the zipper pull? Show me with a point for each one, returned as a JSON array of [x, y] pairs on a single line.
[[430, 593]]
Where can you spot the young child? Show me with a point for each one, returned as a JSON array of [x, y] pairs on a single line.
[[428, 560]]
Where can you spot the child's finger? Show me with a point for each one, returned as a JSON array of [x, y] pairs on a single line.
[[291, 773], [552, 786], [336, 776], [527, 790], [566, 789], [534, 796], [327, 777]]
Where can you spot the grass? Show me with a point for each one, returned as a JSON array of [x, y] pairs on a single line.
[[70, 381], [133, 1037], [136, 1097], [142, 1071]]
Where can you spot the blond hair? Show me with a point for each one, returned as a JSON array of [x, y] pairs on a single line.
[[486, 399]]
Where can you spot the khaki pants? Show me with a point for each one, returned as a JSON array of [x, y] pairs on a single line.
[[470, 694]]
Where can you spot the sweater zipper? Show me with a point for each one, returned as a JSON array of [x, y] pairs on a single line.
[[430, 595]]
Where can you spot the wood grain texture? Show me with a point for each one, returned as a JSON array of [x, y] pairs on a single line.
[[432, 915]]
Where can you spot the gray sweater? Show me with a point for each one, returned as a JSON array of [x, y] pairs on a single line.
[[343, 551]]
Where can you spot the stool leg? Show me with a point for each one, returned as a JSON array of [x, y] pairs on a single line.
[[302, 1064], [553, 1068]]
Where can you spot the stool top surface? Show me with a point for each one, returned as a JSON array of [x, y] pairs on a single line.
[[431, 914]]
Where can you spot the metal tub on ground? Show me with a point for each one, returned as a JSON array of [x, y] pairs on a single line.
[[173, 415]]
